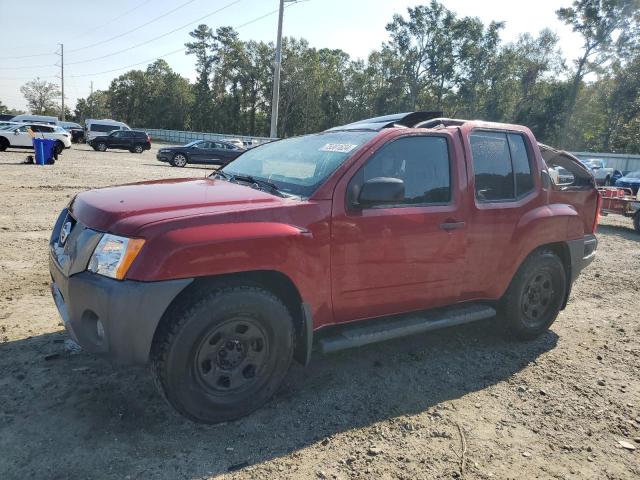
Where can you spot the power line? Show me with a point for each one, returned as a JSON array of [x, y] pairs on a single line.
[[174, 51], [133, 29], [28, 56], [84, 33], [102, 25], [155, 38], [29, 66]]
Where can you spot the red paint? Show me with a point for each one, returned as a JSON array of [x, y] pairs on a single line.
[[346, 265]]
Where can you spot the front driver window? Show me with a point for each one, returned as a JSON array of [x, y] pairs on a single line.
[[421, 162]]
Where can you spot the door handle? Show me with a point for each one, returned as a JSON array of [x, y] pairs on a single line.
[[451, 225]]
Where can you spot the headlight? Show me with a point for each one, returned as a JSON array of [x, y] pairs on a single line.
[[114, 255], [164, 151]]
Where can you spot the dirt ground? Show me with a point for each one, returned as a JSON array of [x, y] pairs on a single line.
[[462, 402]]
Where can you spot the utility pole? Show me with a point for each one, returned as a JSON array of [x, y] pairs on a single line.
[[91, 101], [62, 77], [276, 74]]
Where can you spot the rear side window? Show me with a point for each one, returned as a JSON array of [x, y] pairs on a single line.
[[501, 165], [421, 162], [97, 127]]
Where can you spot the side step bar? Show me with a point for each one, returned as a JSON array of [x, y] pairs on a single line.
[[387, 328]]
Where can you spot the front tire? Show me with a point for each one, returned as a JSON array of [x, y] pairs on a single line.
[[4, 144], [535, 295], [59, 147], [179, 160], [223, 355], [636, 221]]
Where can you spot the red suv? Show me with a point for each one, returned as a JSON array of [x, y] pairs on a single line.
[[374, 230]]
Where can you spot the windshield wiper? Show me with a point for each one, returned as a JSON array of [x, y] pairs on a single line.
[[261, 183], [273, 188]]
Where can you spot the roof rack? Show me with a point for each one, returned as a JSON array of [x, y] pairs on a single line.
[[407, 120], [437, 122]]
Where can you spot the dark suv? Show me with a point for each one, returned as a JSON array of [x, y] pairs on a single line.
[[136, 141]]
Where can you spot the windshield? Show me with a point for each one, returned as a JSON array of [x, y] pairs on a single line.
[[299, 165], [191, 144]]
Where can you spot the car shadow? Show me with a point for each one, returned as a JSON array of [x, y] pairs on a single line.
[[65, 408]]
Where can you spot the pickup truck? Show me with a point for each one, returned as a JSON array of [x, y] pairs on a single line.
[[384, 228]]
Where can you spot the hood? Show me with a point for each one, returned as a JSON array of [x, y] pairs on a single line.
[[125, 209], [629, 179]]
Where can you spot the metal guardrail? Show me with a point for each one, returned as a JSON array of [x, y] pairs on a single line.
[[618, 161], [182, 137]]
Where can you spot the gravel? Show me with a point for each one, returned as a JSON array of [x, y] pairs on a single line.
[[566, 405]]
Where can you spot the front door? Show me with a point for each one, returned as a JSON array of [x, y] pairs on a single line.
[[408, 256], [21, 138], [118, 140]]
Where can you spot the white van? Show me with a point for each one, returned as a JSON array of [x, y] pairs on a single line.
[[95, 128], [36, 118]]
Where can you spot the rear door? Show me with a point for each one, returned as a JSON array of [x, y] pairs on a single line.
[[118, 140], [404, 257], [200, 152], [501, 168], [218, 152]]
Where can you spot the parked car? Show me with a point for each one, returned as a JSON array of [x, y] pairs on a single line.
[[136, 141], [366, 232], [76, 131], [4, 117], [200, 151], [630, 180], [17, 136], [7, 124], [601, 172], [561, 176], [95, 128], [234, 141], [36, 119]]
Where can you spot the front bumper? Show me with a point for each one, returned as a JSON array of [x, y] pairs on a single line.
[[162, 157], [103, 315]]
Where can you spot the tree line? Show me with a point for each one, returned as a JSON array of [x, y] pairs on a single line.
[[434, 59]]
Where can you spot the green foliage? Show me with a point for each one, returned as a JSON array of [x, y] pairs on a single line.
[[41, 97], [434, 59]]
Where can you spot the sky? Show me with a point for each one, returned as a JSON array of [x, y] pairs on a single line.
[[95, 33]]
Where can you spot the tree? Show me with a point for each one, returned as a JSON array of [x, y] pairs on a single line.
[[204, 47], [599, 22], [3, 108], [94, 106], [41, 97]]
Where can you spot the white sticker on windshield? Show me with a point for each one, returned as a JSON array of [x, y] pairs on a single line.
[[338, 147]]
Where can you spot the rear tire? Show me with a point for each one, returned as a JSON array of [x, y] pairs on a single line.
[[4, 144], [179, 160], [224, 354], [137, 149], [59, 147], [535, 295], [101, 147]]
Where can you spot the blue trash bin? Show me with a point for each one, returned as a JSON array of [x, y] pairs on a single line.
[[44, 150]]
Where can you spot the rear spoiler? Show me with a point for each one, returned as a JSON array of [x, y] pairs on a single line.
[[561, 158]]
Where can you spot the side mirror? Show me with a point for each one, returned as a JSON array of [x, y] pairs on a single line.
[[381, 191]]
